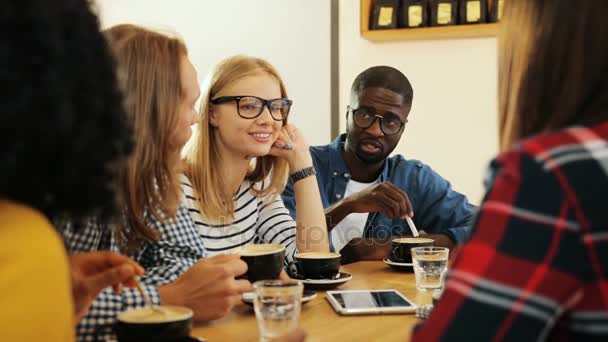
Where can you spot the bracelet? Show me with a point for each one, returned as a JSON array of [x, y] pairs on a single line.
[[303, 173]]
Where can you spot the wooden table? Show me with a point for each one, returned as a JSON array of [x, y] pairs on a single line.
[[320, 320]]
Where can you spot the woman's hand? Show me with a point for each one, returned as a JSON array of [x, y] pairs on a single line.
[[209, 287], [292, 146], [311, 227], [94, 271]]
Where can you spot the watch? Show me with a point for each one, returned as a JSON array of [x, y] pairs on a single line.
[[302, 173]]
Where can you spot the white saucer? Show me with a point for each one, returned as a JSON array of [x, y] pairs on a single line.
[[394, 263], [307, 296], [326, 284], [343, 278], [399, 266]]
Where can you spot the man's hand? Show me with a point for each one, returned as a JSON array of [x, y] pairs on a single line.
[[94, 271], [384, 197], [209, 288], [292, 146]]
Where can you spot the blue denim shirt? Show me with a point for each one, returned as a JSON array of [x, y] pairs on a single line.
[[437, 208]]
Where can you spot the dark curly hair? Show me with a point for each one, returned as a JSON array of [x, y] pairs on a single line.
[[386, 77], [63, 128]]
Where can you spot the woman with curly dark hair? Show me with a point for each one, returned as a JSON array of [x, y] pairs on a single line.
[[63, 131]]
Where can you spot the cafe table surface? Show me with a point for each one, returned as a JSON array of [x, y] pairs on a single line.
[[319, 319]]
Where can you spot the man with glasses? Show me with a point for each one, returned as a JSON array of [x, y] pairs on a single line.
[[366, 193]]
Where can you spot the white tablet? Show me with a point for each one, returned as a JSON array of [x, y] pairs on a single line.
[[365, 302]]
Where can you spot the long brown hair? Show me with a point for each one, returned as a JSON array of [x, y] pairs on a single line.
[[150, 65], [553, 66], [203, 155]]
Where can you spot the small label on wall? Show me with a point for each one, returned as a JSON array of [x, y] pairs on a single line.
[[414, 16], [386, 16], [444, 14], [473, 11]]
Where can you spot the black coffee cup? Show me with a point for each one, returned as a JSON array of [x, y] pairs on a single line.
[[402, 247], [159, 324], [264, 261], [315, 265]]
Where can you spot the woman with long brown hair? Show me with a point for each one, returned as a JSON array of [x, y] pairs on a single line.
[[536, 266], [239, 161], [161, 90]]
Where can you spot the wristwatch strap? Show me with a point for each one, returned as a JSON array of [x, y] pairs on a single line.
[[303, 173]]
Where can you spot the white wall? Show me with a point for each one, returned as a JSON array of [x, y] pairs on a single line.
[[453, 125], [453, 122], [293, 35]]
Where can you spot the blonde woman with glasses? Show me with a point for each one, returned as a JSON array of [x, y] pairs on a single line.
[[239, 161]]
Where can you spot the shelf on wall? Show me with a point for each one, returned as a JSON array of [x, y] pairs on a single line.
[[422, 33]]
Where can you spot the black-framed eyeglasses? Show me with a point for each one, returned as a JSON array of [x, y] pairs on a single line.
[[364, 118], [250, 107]]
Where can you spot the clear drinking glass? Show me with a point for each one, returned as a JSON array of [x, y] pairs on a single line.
[[277, 307], [430, 265]]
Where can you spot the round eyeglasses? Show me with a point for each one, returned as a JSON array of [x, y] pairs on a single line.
[[364, 118], [250, 107]]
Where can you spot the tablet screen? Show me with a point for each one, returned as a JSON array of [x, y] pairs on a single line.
[[370, 299]]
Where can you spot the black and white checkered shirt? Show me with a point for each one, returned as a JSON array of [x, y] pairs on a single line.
[[179, 247]]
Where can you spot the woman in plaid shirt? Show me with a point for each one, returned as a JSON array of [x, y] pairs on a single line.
[[536, 266], [161, 89]]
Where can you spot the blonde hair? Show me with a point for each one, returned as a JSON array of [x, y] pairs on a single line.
[[150, 63], [203, 158]]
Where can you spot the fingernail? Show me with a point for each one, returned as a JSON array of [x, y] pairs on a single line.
[[279, 144], [289, 146], [126, 270], [140, 270]]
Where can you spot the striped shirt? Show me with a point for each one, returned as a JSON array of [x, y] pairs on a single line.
[[536, 267], [256, 220]]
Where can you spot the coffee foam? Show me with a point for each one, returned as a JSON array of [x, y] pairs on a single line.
[[412, 240], [317, 255], [158, 314], [261, 249]]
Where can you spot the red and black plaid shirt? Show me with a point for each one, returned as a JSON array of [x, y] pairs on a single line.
[[536, 266]]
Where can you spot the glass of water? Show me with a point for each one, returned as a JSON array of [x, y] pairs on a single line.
[[430, 265], [277, 307]]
